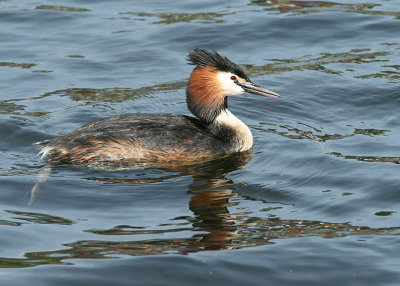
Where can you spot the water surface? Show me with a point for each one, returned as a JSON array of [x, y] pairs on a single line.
[[315, 202]]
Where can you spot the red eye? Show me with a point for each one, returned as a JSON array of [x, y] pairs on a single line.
[[233, 77]]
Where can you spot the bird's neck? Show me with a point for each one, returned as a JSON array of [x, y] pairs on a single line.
[[228, 127], [211, 108], [206, 105]]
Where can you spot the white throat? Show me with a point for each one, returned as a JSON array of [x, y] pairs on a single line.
[[243, 134]]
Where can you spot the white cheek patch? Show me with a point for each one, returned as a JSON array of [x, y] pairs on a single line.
[[228, 86]]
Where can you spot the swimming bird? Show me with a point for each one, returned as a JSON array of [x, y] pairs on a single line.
[[168, 138]]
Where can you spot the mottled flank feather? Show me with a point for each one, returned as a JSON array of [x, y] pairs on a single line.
[[136, 137], [204, 58]]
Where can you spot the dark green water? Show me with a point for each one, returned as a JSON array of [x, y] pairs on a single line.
[[317, 202]]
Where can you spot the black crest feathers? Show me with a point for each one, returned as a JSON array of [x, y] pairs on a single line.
[[204, 58]]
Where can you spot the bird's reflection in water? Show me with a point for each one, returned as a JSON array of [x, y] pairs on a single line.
[[212, 216], [211, 194], [213, 226]]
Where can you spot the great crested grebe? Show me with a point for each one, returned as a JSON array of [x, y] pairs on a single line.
[[164, 138]]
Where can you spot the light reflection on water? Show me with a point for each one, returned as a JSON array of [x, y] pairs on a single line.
[[219, 221]]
